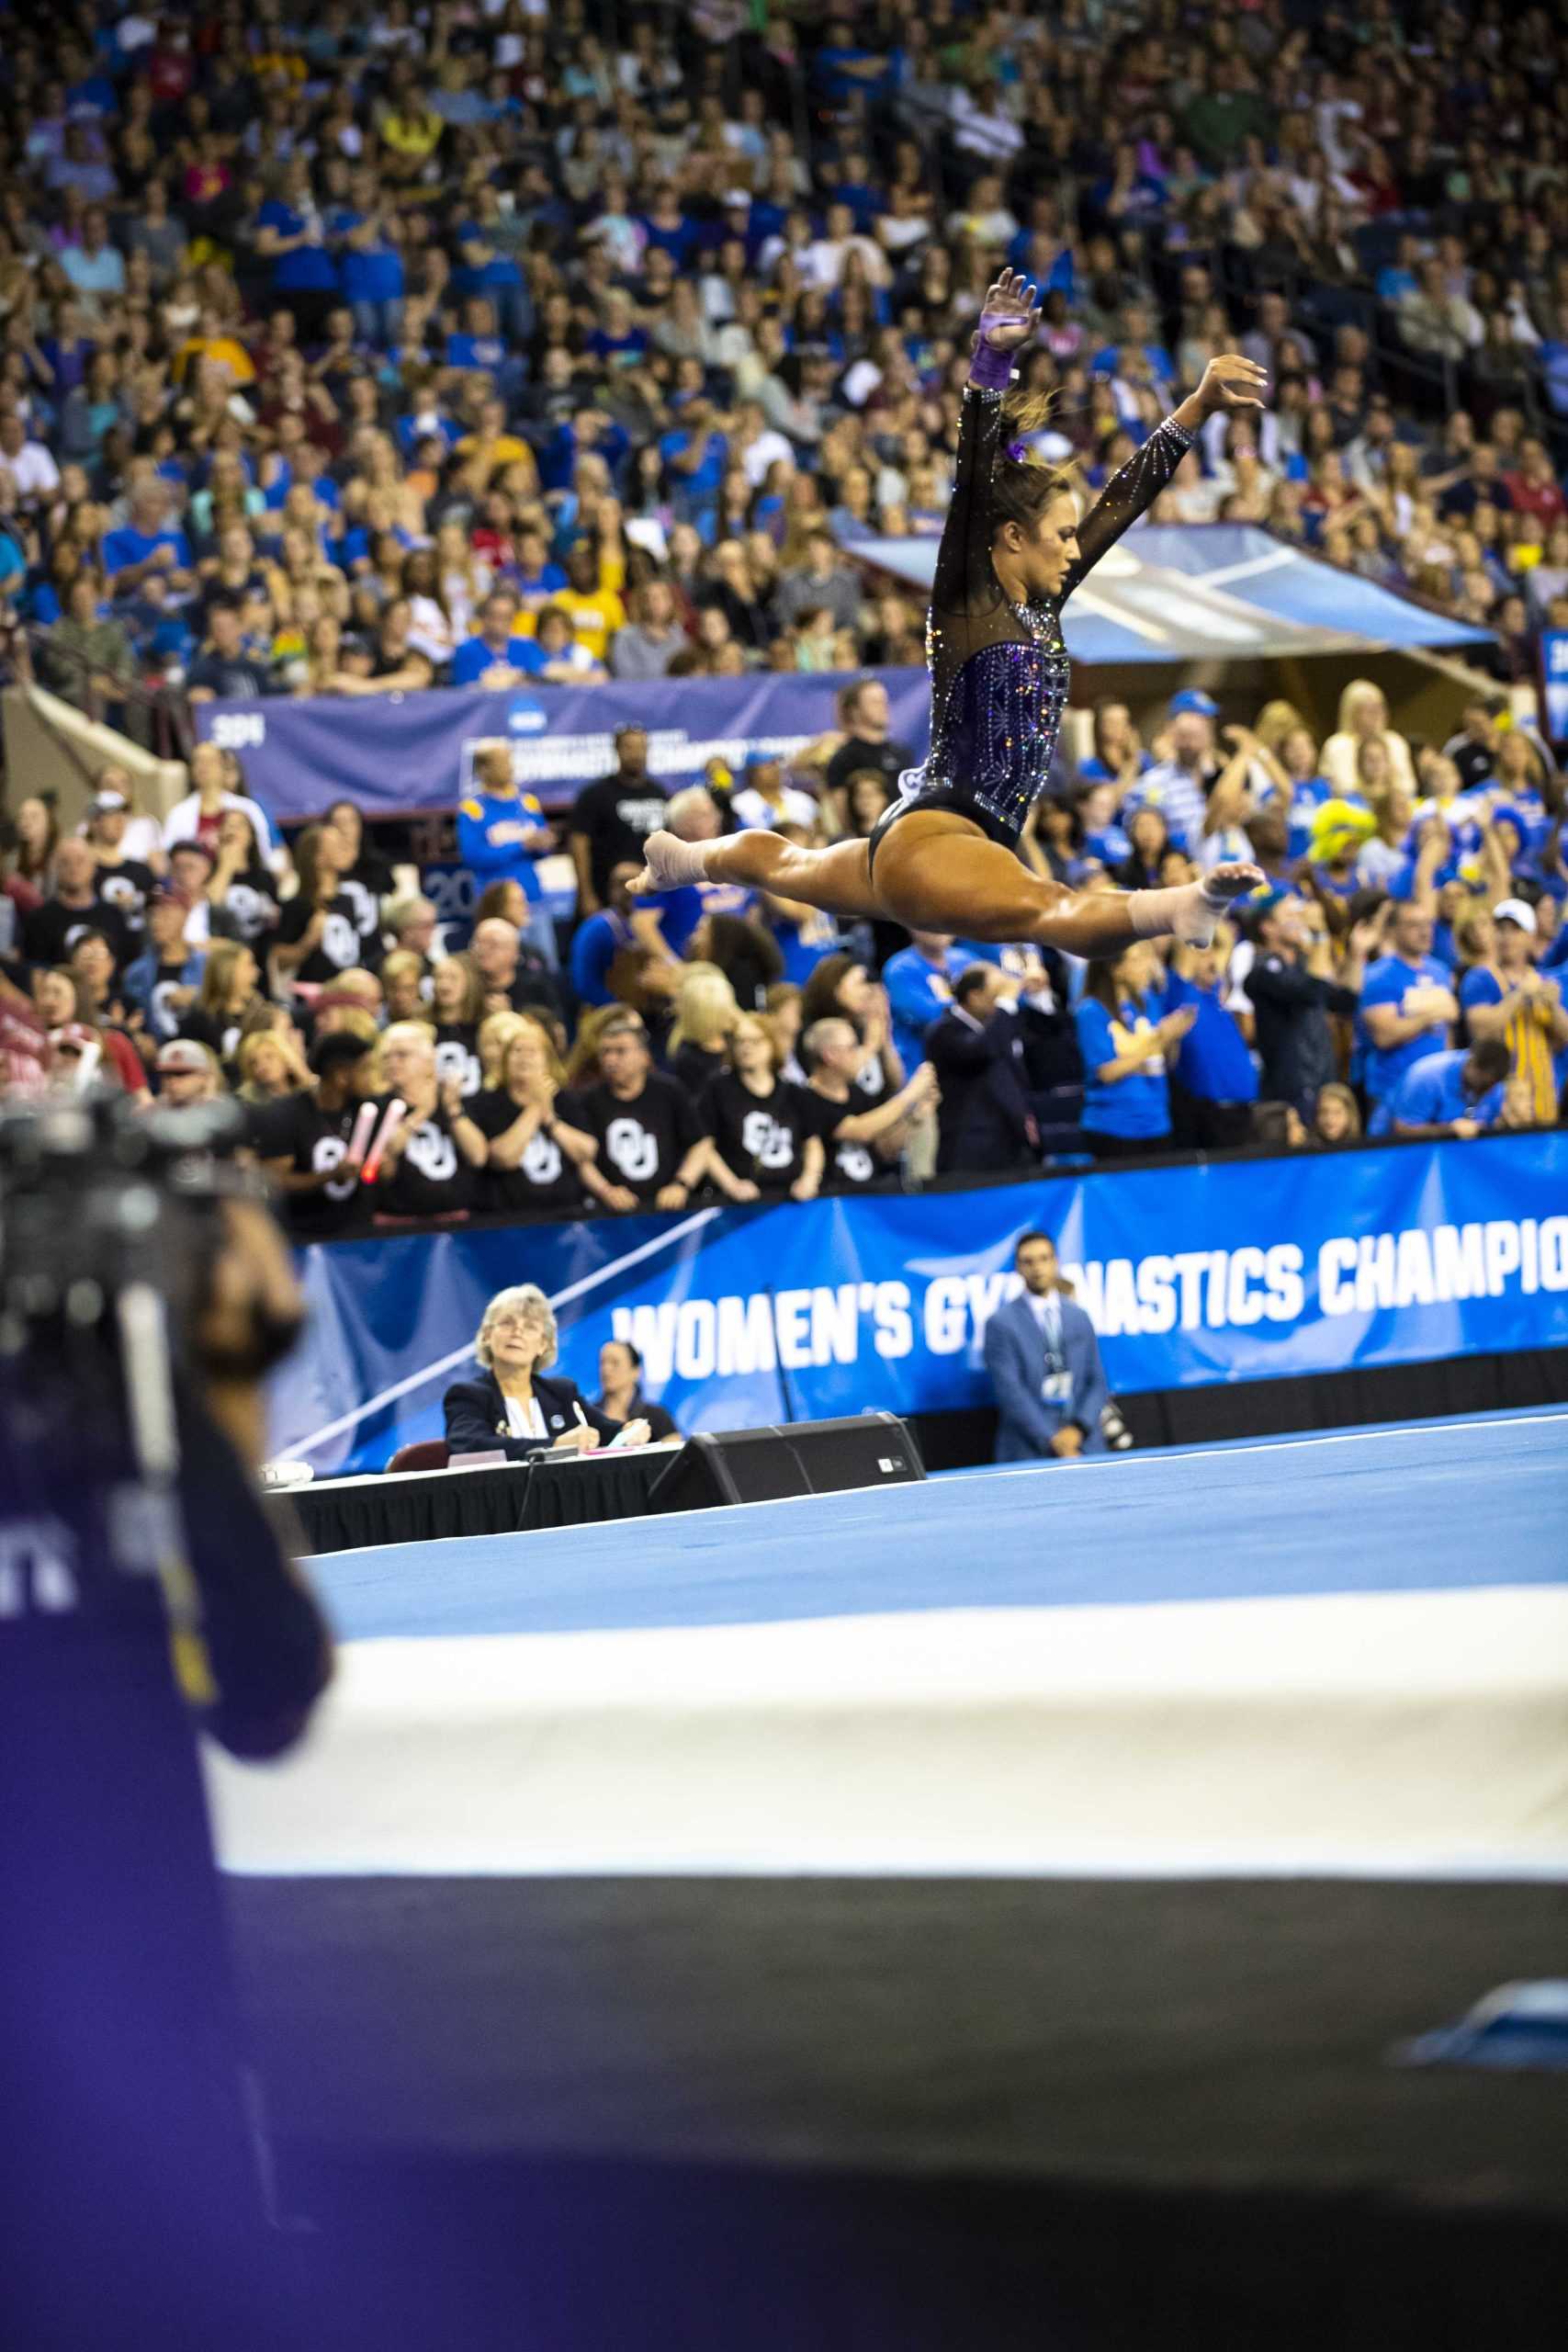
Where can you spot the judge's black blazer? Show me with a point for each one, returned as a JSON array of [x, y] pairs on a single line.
[[477, 1422]]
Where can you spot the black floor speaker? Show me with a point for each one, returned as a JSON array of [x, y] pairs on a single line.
[[806, 1458]]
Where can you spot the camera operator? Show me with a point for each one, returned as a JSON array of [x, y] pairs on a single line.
[[145, 1291]]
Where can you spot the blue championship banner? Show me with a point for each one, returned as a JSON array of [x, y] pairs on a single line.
[[1233, 1270], [399, 754]]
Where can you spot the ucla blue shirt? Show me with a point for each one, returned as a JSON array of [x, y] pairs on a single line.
[[489, 860], [918, 993], [1137, 1106], [1432, 1094], [1388, 982], [1213, 1063], [474, 657]]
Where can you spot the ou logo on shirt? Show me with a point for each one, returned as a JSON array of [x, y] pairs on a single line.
[[433, 1153], [330, 1151], [541, 1161], [633, 1149], [453, 1060], [856, 1165], [340, 941], [764, 1141]]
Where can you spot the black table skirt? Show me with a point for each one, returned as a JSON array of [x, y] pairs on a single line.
[[422, 1507]]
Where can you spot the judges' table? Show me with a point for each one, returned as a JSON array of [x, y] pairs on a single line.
[[504, 1498]]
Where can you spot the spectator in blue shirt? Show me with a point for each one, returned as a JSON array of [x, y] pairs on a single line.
[[501, 833], [498, 656], [1457, 1093], [532, 579], [695, 456], [1407, 1003], [1216, 1083], [918, 981], [600, 938], [148, 543], [1124, 1038], [370, 266], [290, 235]]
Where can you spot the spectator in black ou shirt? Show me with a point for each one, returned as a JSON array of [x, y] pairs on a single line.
[[866, 716], [317, 936], [223, 671], [124, 883], [620, 1391], [610, 820], [51, 931], [766, 1131], [651, 1149], [861, 1130], [705, 1012], [538, 1162], [430, 1166], [303, 1140], [1473, 750], [514, 977], [976, 1051], [242, 896], [226, 996], [458, 1003], [366, 875], [1293, 990]]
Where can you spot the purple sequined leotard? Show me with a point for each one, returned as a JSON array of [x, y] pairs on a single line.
[[999, 671]]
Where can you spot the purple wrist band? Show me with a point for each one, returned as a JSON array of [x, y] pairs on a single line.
[[989, 369]]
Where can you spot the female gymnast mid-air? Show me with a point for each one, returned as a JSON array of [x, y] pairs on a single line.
[[944, 858]]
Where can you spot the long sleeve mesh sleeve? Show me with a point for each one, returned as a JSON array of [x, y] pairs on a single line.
[[964, 584], [1128, 494]]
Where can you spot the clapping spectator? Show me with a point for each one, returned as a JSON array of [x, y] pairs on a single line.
[[651, 1149], [767, 1140], [1124, 1038], [431, 1158], [1407, 1005]]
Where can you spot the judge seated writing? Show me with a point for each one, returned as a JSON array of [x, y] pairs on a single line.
[[511, 1407]]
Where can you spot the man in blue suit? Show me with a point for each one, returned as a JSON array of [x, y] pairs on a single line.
[[1043, 1360]]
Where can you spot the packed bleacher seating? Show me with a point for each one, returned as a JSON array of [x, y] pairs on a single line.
[[484, 345]]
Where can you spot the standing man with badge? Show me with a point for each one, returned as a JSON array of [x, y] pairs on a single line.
[[1043, 1360]]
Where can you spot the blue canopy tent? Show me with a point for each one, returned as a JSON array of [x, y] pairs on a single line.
[[1220, 590]]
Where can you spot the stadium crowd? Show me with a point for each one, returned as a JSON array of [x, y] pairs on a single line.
[[468, 345]]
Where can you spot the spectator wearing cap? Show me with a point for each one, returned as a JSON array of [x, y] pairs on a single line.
[[766, 800], [304, 1140], [501, 835], [1503, 996], [187, 1072], [124, 883], [162, 981], [1407, 1003], [866, 716], [114, 1061], [499, 654], [1043, 1360], [610, 820], [1457, 1093], [1180, 785]]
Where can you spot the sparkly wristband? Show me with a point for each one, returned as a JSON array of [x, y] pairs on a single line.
[[990, 371]]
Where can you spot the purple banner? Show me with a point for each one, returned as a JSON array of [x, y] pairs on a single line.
[[399, 754]]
